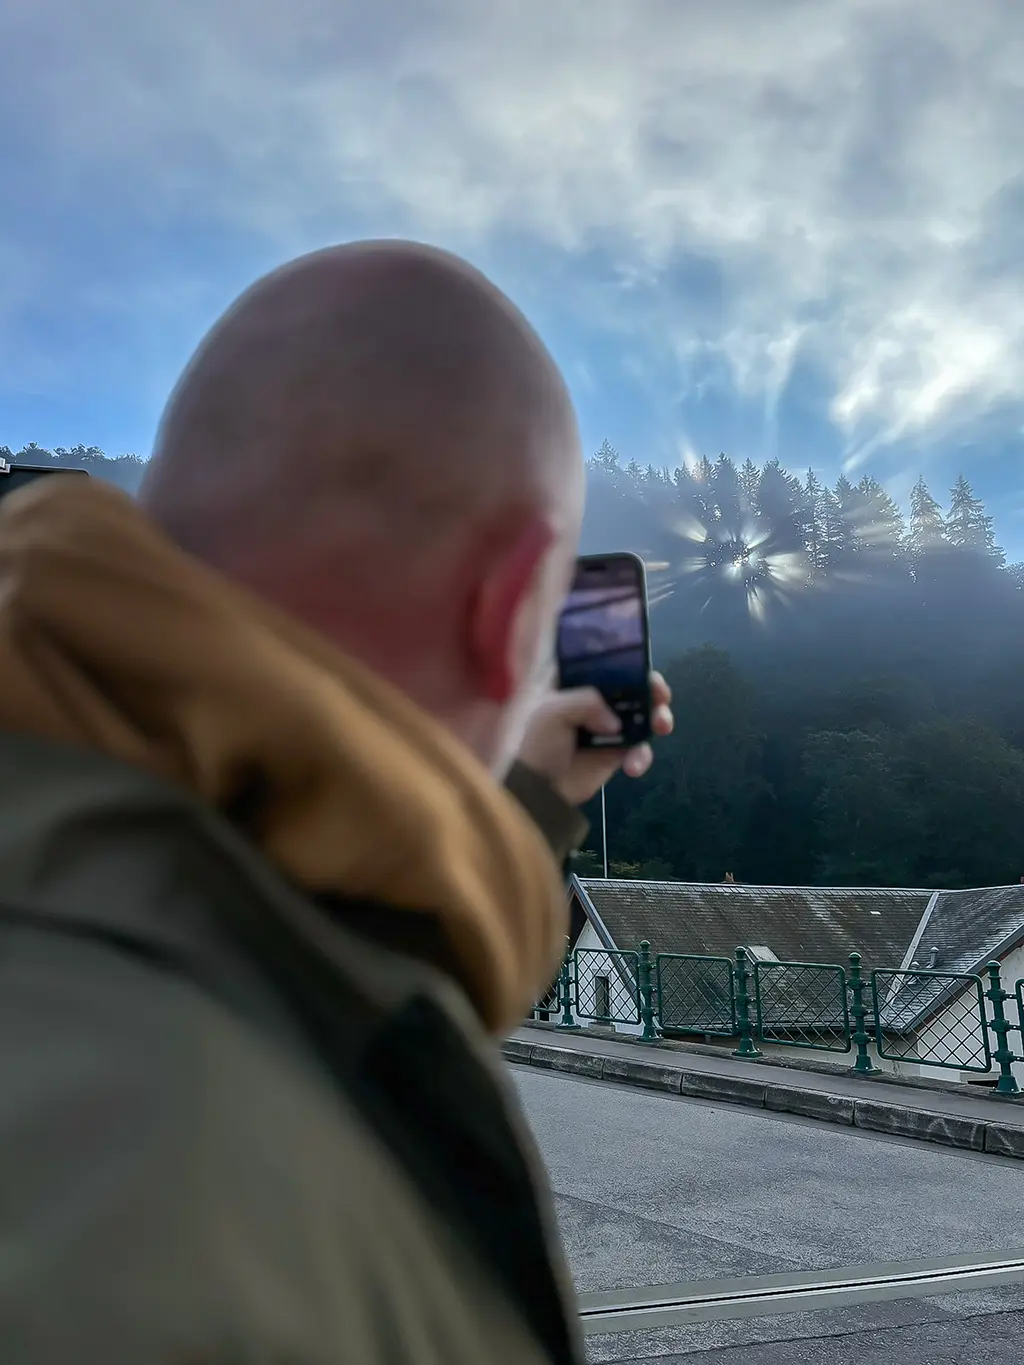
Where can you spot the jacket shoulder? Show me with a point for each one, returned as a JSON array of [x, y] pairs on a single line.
[[185, 1188]]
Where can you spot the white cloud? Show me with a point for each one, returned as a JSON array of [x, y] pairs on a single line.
[[847, 167]]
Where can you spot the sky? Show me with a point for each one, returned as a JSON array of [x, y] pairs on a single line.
[[787, 228]]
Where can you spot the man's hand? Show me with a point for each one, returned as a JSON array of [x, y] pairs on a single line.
[[550, 747]]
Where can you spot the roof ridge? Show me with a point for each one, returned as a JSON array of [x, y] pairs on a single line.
[[772, 886]]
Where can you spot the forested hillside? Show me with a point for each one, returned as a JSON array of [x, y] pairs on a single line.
[[848, 680]]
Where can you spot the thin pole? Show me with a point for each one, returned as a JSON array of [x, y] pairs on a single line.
[[604, 833]]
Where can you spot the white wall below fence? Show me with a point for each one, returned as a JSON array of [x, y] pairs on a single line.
[[952, 1023]]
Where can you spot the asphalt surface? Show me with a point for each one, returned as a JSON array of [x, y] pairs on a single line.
[[655, 1190]]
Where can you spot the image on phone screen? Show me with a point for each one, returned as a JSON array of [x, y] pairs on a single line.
[[603, 641]]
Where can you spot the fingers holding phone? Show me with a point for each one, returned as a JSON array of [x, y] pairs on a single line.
[[551, 744]]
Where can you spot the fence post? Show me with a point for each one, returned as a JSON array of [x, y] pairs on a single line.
[[1000, 1026], [746, 1047], [646, 984], [565, 991], [864, 1066]]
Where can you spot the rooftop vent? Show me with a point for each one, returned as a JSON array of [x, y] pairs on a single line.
[[760, 952]]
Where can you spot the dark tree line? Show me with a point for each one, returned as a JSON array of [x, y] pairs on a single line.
[[124, 470], [848, 681]]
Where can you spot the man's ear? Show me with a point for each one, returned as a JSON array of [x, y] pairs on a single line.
[[504, 609]]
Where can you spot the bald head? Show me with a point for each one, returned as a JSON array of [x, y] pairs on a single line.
[[359, 434], [366, 387]]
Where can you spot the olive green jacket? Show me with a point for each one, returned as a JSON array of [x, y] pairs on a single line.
[[233, 1132]]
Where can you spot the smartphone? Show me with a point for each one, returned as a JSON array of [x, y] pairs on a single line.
[[604, 641], [15, 476]]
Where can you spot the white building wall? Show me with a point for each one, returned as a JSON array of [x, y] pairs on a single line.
[[953, 1021], [594, 963]]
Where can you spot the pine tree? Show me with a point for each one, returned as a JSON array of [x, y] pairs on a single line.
[[607, 459], [79, 457], [682, 483], [704, 471], [701, 494], [34, 454], [781, 509], [832, 538], [927, 526], [750, 482], [727, 495], [814, 538], [883, 527], [968, 527], [850, 504]]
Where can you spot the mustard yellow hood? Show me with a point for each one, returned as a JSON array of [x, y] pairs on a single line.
[[113, 638]]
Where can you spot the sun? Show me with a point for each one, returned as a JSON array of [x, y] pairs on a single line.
[[747, 559]]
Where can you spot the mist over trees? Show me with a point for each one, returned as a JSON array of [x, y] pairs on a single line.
[[848, 679]]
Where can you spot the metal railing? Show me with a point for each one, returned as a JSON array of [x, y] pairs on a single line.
[[695, 995], [804, 1004], [956, 1041], [606, 986], [953, 1021]]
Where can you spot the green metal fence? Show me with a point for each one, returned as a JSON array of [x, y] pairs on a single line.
[[904, 1000], [954, 1021], [803, 1004], [606, 985], [695, 995]]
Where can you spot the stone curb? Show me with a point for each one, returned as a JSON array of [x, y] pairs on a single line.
[[782, 1066], [877, 1116]]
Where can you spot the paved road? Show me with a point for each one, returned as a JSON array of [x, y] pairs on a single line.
[[653, 1190]]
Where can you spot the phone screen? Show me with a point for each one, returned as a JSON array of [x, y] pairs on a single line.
[[604, 642], [17, 476]]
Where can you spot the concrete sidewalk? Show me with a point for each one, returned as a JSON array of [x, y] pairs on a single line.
[[930, 1112]]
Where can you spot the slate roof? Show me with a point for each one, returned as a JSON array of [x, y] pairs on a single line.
[[823, 925], [968, 929], [798, 924]]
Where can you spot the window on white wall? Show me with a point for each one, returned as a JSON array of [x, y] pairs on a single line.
[[602, 997]]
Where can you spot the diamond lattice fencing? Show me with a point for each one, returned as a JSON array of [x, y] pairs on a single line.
[[923, 1017], [606, 985], [549, 1008], [695, 995], [936, 1018], [802, 1004]]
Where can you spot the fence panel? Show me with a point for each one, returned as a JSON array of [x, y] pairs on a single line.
[[936, 1018], [802, 1004], [606, 985], [550, 1007], [695, 994]]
